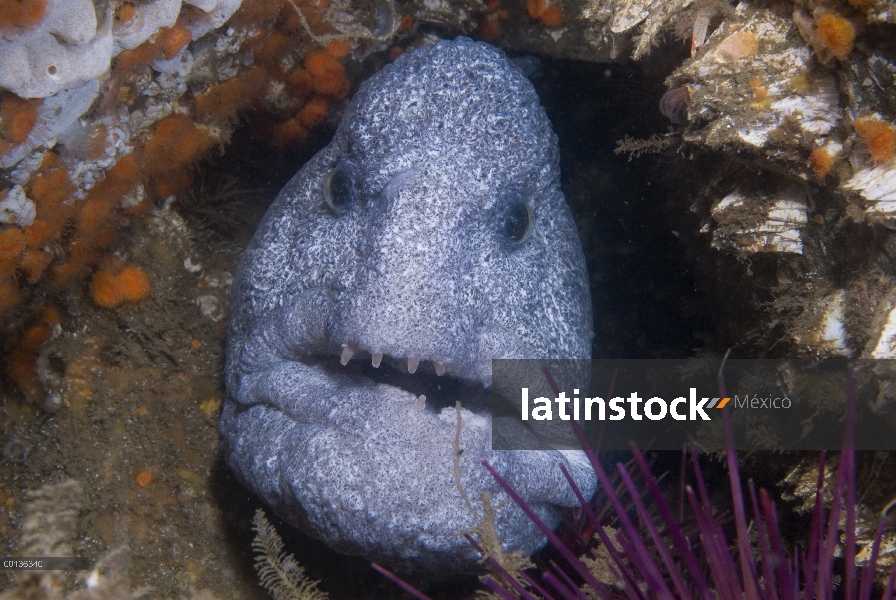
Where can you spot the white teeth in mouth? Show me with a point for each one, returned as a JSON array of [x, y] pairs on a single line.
[[348, 351], [421, 402]]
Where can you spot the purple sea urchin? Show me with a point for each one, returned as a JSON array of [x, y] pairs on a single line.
[[661, 556]]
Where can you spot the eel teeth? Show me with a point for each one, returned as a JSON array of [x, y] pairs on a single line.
[[413, 361], [439, 367], [348, 351], [421, 402], [375, 359]]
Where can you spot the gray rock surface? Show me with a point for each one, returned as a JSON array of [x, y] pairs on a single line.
[[412, 258]]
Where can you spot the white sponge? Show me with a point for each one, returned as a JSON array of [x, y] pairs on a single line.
[[65, 49], [215, 13], [54, 116], [69, 48], [17, 209]]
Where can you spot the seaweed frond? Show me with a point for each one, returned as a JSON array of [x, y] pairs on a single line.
[[279, 572], [51, 519], [486, 532], [635, 148], [513, 562]]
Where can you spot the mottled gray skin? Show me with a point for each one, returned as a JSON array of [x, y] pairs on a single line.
[[439, 144]]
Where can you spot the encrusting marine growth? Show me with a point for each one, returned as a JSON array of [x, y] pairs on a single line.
[[87, 152]]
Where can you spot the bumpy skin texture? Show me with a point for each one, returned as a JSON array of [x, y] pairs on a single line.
[[438, 146]]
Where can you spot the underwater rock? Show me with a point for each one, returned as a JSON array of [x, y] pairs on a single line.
[[431, 235], [756, 87], [756, 222], [16, 208], [829, 334], [617, 19], [876, 184]]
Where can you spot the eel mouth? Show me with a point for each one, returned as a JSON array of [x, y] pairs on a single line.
[[439, 386]]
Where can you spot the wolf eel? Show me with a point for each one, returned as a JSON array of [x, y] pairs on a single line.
[[429, 237]]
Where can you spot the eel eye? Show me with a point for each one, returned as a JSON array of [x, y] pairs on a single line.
[[339, 189], [518, 221]]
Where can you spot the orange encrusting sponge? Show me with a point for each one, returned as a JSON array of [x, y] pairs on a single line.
[[34, 263], [165, 44], [18, 117], [49, 189], [21, 14], [878, 135], [12, 244], [126, 12], [286, 133], [821, 162], [323, 78], [172, 39], [223, 101], [341, 48], [314, 112], [835, 33], [549, 14], [94, 225], [107, 289], [327, 74], [10, 296], [23, 358], [175, 143], [104, 196], [488, 28]]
